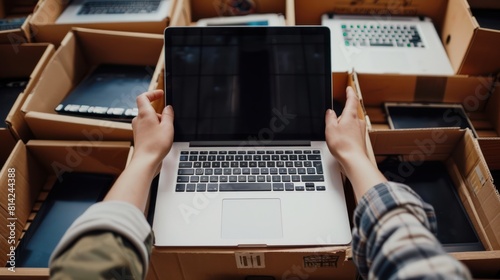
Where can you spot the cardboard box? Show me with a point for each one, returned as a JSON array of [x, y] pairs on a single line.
[[35, 167], [192, 10], [79, 52], [44, 28], [474, 93], [13, 9], [459, 150], [281, 263], [25, 60], [472, 49]]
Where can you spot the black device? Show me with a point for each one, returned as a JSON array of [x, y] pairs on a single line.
[[431, 181], [419, 115], [66, 201], [9, 91], [496, 177], [227, 83], [109, 92], [11, 23], [487, 18]]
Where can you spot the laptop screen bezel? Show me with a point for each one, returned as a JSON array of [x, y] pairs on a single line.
[[248, 30]]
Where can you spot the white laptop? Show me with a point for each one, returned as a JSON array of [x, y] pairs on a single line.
[[246, 20], [93, 11], [386, 44], [249, 165]]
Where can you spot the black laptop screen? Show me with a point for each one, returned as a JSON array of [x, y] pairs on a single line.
[[248, 83]]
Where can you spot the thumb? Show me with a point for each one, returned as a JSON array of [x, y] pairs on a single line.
[[167, 114], [330, 117]]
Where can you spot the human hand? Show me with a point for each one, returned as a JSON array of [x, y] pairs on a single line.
[[346, 134], [153, 132]]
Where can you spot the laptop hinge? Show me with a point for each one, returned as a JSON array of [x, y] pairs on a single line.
[[250, 143]]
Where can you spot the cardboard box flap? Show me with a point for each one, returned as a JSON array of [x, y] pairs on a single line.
[[103, 46], [46, 125], [41, 54], [491, 151], [27, 172], [376, 89], [430, 143], [64, 156], [457, 17]]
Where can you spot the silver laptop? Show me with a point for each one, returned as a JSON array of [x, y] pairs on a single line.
[[386, 44], [97, 11], [249, 165]]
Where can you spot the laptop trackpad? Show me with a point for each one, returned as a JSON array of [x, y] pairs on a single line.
[[251, 218]]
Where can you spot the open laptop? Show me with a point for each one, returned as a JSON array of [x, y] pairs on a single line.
[[386, 44], [249, 165], [90, 11]]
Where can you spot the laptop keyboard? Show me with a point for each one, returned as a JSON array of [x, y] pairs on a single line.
[[118, 7], [382, 35], [261, 170], [13, 23]]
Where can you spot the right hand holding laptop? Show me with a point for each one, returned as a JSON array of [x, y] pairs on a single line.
[[346, 139]]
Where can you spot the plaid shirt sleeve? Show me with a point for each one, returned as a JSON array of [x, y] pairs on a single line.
[[393, 237]]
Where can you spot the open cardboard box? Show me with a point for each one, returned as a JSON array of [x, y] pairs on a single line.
[[281, 263], [44, 28], [474, 93], [80, 50], [14, 9], [460, 151], [191, 11], [470, 48], [25, 60], [36, 166]]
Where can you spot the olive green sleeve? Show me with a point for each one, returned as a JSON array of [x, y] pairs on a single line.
[[111, 240]]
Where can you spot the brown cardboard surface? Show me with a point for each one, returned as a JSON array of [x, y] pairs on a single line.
[[470, 174], [79, 51], [38, 163], [46, 13], [210, 264], [472, 50], [470, 91], [25, 60]]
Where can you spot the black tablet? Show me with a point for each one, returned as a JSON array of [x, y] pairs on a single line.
[[108, 92], [67, 200], [418, 115], [9, 91], [431, 181]]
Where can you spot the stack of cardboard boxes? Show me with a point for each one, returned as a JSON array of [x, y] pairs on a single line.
[[38, 143]]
